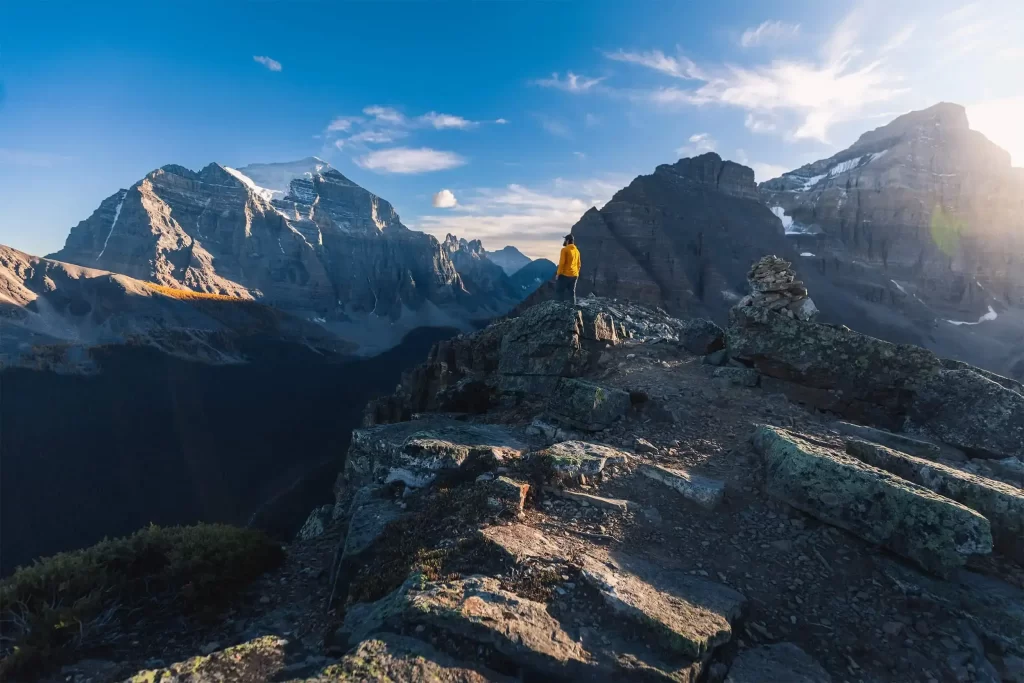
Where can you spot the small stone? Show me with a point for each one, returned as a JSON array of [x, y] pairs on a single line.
[[644, 446], [264, 600], [892, 628]]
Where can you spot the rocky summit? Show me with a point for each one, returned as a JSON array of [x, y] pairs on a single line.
[[607, 492], [299, 236]]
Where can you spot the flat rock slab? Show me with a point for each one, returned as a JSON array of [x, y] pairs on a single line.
[[389, 657], [921, 449], [476, 608], [782, 662], [689, 616], [255, 661], [1001, 503], [704, 491], [417, 452], [520, 542], [616, 504], [935, 532], [588, 406], [570, 459]]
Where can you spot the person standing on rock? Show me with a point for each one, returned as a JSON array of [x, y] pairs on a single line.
[[568, 271]]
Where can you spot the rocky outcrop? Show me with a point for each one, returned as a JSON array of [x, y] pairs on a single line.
[[870, 380], [1001, 504], [314, 243], [935, 532], [780, 662]]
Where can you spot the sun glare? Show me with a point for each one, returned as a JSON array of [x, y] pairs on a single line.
[[1000, 121]]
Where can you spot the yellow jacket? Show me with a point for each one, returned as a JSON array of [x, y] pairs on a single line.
[[569, 261]]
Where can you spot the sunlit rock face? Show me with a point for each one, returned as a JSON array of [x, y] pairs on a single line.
[[926, 198]]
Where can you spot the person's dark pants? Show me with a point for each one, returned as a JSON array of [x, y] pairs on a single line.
[[565, 288]]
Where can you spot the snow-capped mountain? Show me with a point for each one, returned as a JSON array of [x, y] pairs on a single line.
[[299, 236]]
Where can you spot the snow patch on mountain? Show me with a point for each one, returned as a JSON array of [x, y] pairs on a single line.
[[991, 315], [248, 182], [277, 177], [117, 214], [787, 221]]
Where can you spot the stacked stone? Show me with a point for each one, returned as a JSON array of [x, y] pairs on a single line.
[[773, 285]]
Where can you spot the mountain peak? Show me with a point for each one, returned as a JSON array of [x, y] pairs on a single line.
[[710, 169]]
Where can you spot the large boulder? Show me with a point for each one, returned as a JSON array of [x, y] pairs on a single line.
[[588, 406], [540, 346], [895, 385], [1001, 504], [701, 336], [417, 452], [937, 533]]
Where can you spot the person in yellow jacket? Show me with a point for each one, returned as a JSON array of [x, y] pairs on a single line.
[[568, 271]]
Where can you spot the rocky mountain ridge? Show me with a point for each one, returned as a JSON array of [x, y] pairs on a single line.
[[310, 242], [606, 492], [509, 258]]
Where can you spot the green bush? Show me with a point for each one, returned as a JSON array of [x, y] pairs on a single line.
[[67, 601]]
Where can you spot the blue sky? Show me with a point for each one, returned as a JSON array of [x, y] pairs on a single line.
[[527, 113]]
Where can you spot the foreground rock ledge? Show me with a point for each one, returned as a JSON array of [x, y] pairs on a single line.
[[935, 532]]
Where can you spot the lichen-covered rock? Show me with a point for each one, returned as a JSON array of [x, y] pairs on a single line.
[[921, 449], [970, 411], [476, 608], [316, 523], [507, 495], [701, 336], [935, 532], [588, 406], [569, 459], [417, 452], [389, 657], [1001, 504], [744, 377], [540, 346], [779, 662], [704, 491], [368, 518], [251, 662]]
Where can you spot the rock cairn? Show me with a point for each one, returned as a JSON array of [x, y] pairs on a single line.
[[773, 286]]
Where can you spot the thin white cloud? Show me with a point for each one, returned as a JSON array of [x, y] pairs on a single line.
[[591, 120], [500, 121], [700, 143], [445, 199], [384, 114], [769, 32], [812, 96], [409, 160], [579, 155], [271, 64], [898, 39], [757, 124], [441, 121], [677, 67], [343, 123], [533, 219], [377, 136], [573, 83]]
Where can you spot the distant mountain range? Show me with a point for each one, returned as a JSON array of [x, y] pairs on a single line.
[[509, 258], [913, 234]]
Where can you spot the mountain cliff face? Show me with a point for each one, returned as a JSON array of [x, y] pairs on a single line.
[[299, 236], [682, 238], [925, 198]]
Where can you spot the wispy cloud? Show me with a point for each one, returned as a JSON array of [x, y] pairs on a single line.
[[699, 143], [533, 218], [384, 114], [573, 83], [769, 32], [271, 64], [677, 67], [409, 160], [756, 124], [343, 123], [440, 121], [500, 121], [898, 39], [817, 94], [445, 199]]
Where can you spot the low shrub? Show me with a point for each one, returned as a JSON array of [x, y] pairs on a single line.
[[70, 601]]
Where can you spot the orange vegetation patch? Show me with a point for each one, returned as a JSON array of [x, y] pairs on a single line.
[[189, 295]]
